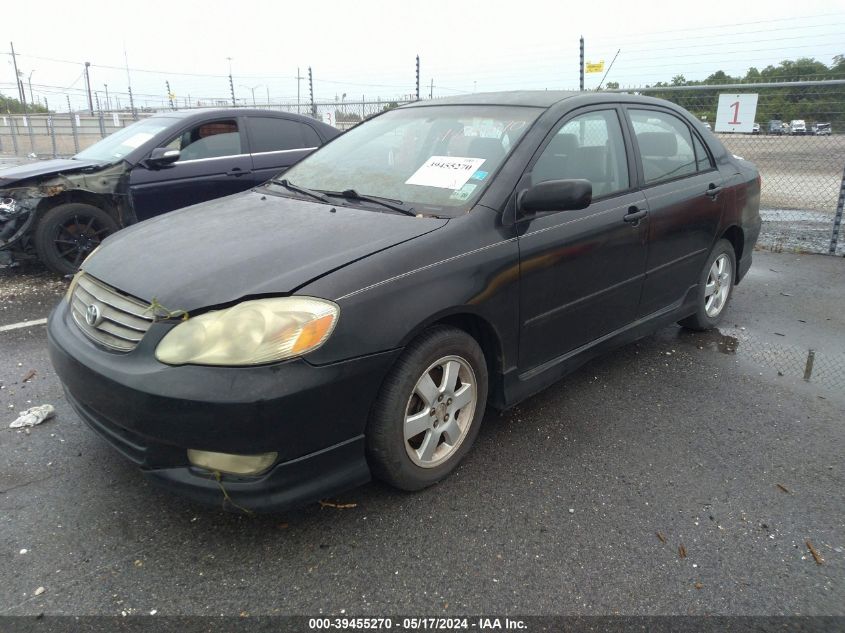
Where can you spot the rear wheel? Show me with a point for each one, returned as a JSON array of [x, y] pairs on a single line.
[[429, 409], [68, 233], [715, 287]]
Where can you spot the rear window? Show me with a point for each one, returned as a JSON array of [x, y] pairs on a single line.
[[665, 145], [267, 134]]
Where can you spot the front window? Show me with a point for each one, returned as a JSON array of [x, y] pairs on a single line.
[[590, 146], [211, 139], [116, 146], [431, 158]]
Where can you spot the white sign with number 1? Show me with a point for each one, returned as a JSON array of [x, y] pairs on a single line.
[[736, 113]]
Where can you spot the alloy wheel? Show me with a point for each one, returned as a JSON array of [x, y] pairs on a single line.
[[440, 411], [78, 236], [718, 285]]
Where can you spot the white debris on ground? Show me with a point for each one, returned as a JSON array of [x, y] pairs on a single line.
[[33, 416]]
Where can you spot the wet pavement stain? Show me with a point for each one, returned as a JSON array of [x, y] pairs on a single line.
[[813, 366]]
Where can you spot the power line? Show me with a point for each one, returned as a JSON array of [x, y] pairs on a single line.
[[721, 27]]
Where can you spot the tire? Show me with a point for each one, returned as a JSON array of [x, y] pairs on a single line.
[[718, 275], [67, 233], [417, 461]]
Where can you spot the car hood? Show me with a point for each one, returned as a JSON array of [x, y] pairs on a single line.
[[11, 175], [244, 245]]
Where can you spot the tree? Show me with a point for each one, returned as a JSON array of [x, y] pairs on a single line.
[[811, 103], [13, 106]]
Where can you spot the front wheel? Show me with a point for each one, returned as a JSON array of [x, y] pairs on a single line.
[[429, 409], [715, 287], [68, 233]]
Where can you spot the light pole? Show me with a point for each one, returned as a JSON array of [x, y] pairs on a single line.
[[252, 88], [108, 103]]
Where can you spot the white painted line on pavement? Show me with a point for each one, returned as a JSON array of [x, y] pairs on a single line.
[[22, 324]]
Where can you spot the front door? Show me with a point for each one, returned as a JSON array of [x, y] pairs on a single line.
[[582, 271], [212, 164]]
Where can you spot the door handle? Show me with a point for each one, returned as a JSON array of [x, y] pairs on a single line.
[[713, 191], [235, 171], [634, 215]]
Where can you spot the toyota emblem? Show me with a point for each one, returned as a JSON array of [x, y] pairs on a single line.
[[92, 315]]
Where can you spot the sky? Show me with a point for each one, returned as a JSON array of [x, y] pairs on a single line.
[[367, 48]]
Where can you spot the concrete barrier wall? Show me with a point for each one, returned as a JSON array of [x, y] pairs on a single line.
[[57, 134]]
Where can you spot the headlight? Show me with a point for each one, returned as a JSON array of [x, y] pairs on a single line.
[[72, 286], [251, 333]]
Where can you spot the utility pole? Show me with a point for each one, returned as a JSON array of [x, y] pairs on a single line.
[[418, 77], [298, 77], [29, 81], [231, 83], [311, 91], [88, 87], [267, 88], [581, 64], [431, 89], [21, 95], [17, 74], [169, 94], [129, 83], [108, 101]]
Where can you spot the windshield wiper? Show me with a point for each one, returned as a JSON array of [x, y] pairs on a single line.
[[351, 194], [308, 192]]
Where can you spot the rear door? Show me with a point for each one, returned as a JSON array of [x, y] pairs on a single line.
[[212, 164], [277, 143], [685, 194], [582, 271]]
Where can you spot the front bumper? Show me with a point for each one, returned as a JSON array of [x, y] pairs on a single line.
[[313, 416]]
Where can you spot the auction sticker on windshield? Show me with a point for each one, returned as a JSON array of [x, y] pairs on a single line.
[[445, 172]]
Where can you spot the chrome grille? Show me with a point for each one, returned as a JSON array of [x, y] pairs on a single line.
[[107, 316]]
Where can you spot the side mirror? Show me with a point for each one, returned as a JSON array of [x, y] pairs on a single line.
[[161, 156], [555, 195]]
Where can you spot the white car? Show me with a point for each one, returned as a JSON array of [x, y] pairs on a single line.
[[797, 126]]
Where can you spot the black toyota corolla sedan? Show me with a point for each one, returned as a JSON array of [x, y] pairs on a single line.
[[356, 317]]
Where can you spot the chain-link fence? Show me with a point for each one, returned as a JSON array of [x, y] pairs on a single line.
[[798, 144], [803, 169], [65, 134]]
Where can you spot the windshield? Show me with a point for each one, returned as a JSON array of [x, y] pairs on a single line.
[[429, 158], [119, 144]]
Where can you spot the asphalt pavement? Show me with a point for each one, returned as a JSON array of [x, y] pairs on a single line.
[[683, 474]]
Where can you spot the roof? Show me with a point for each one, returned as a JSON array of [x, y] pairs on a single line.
[[233, 112], [536, 98]]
